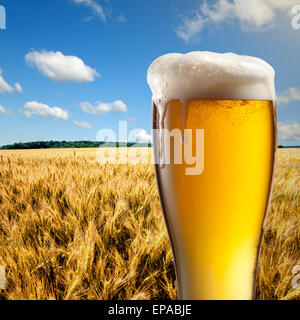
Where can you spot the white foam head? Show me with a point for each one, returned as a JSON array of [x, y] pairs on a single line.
[[209, 75]]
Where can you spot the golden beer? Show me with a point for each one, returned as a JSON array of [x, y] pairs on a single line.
[[215, 219], [214, 121]]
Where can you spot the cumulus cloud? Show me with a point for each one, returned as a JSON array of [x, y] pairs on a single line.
[[4, 111], [289, 130], [82, 124], [6, 88], [191, 27], [292, 94], [103, 108], [61, 68], [94, 6], [18, 87], [253, 15], [139, 135], [43, 110]]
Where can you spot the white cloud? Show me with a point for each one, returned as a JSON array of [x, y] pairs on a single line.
[[289, 130], [103, 108], [18, 87], [82, 124], [292, 94], [61, 68], [252, 15], [96, 8], [37, 138], [139, 135], [121, 18], [4, 111], [87, 19], [191, 27], [131, 119], [5, 87], [43, 110]]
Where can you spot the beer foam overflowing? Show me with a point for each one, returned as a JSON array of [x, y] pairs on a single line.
[[206, 75], [209, 75]]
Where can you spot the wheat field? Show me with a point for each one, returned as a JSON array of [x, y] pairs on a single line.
[[71, 228]]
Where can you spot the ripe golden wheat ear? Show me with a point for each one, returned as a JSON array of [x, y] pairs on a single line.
[[293, 295], [283, 287]]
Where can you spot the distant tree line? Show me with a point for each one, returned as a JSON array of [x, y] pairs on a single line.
[[70, 144], [288, 147], [80, 144]]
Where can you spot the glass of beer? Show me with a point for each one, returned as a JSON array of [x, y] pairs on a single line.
[[214, 138]]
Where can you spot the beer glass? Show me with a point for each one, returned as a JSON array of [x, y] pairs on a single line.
[[214, 139]]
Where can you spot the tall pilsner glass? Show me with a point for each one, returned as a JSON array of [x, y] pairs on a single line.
[[214, 121]]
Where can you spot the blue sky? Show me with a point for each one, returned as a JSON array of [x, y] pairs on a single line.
[[112, 43]]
